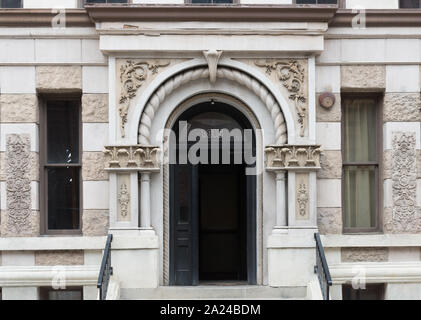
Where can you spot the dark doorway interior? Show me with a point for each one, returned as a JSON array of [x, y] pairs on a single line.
[[222, 223], [212, 207]]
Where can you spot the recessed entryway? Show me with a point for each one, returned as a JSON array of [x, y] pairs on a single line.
[[213, 201]]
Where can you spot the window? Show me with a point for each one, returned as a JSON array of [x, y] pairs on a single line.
[[211, 1], [316, 1], [371, 292], [71, 293], [10, 3], [361, 138], [414, 4], [61, 166], [106, 1]]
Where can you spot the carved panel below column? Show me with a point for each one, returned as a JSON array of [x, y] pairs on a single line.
[[123, 205], [302, 196]]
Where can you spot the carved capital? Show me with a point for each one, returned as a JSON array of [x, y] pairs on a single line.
[[292, 75], [132, 158], [132, 76], [292, 157]]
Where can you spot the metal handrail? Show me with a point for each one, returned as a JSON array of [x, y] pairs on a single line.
[[322, 268], [106, 270]]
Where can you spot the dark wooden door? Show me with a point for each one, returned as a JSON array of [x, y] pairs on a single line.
[[184, 224]]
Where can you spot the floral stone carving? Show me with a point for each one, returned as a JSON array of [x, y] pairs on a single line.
[[132, 76], [288, 157], [132, 158], [404, 179], [292, 75], [18, 184], [124, 200]]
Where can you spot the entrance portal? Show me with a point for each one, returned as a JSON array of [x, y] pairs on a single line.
[[212, 198]]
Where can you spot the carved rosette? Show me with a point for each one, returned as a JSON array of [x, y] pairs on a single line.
[[132, 76], [292, 75], [18, 184], [132, 158], [290, 157], [404, 180]]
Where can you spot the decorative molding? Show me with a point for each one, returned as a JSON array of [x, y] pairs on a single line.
[[292, 74], [124, 200], [132, 158], [302, 199], [178, 80], [290, 157], [212, 57], [18, 184], [404, 182], [132, 76]]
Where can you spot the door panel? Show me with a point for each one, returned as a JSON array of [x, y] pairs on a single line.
[[183, 224]]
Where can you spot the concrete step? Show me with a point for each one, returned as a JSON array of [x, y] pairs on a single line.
[[239, 292]]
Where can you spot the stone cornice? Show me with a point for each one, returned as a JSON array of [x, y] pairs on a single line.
[[379, 18], [42, 18]]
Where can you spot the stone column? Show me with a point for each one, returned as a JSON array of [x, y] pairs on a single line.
[[281, 214], [145, 200]]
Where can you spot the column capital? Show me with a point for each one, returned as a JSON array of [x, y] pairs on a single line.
[[292, 157], [128, 158]]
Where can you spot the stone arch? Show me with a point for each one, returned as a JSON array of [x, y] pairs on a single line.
[[236, 75]]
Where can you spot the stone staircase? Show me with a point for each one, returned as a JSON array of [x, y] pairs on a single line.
[[213, 292]]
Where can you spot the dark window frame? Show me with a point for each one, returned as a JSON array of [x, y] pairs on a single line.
[[380, 289], [417, 7], [378, 98], [212, 4], [44, 165], [339, 3], [44, 291], [21, 5]]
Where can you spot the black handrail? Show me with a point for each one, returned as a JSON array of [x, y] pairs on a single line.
[[106, 270], [321, 268]]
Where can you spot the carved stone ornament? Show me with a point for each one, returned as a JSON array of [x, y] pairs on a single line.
[[289, 157], [302, 199], [132, 76], [132, 158], [404, 179], [124, 200], [292, 75], [18, 184], [212, 57]]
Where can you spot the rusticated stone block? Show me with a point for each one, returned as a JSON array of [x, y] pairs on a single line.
[[31, 228], [331, 165], [18, 108], [329, 220], [95, 222], [365, 254], [58, 258], [54, 78], [418, 163], [332, 114], [93, 164], [2, 166], [363, 77], [402, 107], [398, 226], [95, 108]]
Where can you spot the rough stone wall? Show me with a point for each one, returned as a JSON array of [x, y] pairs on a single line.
[[60, 257]]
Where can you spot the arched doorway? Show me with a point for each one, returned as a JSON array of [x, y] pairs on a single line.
[[212, 196]]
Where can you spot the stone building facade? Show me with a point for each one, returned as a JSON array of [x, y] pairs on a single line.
[[331, 94]]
